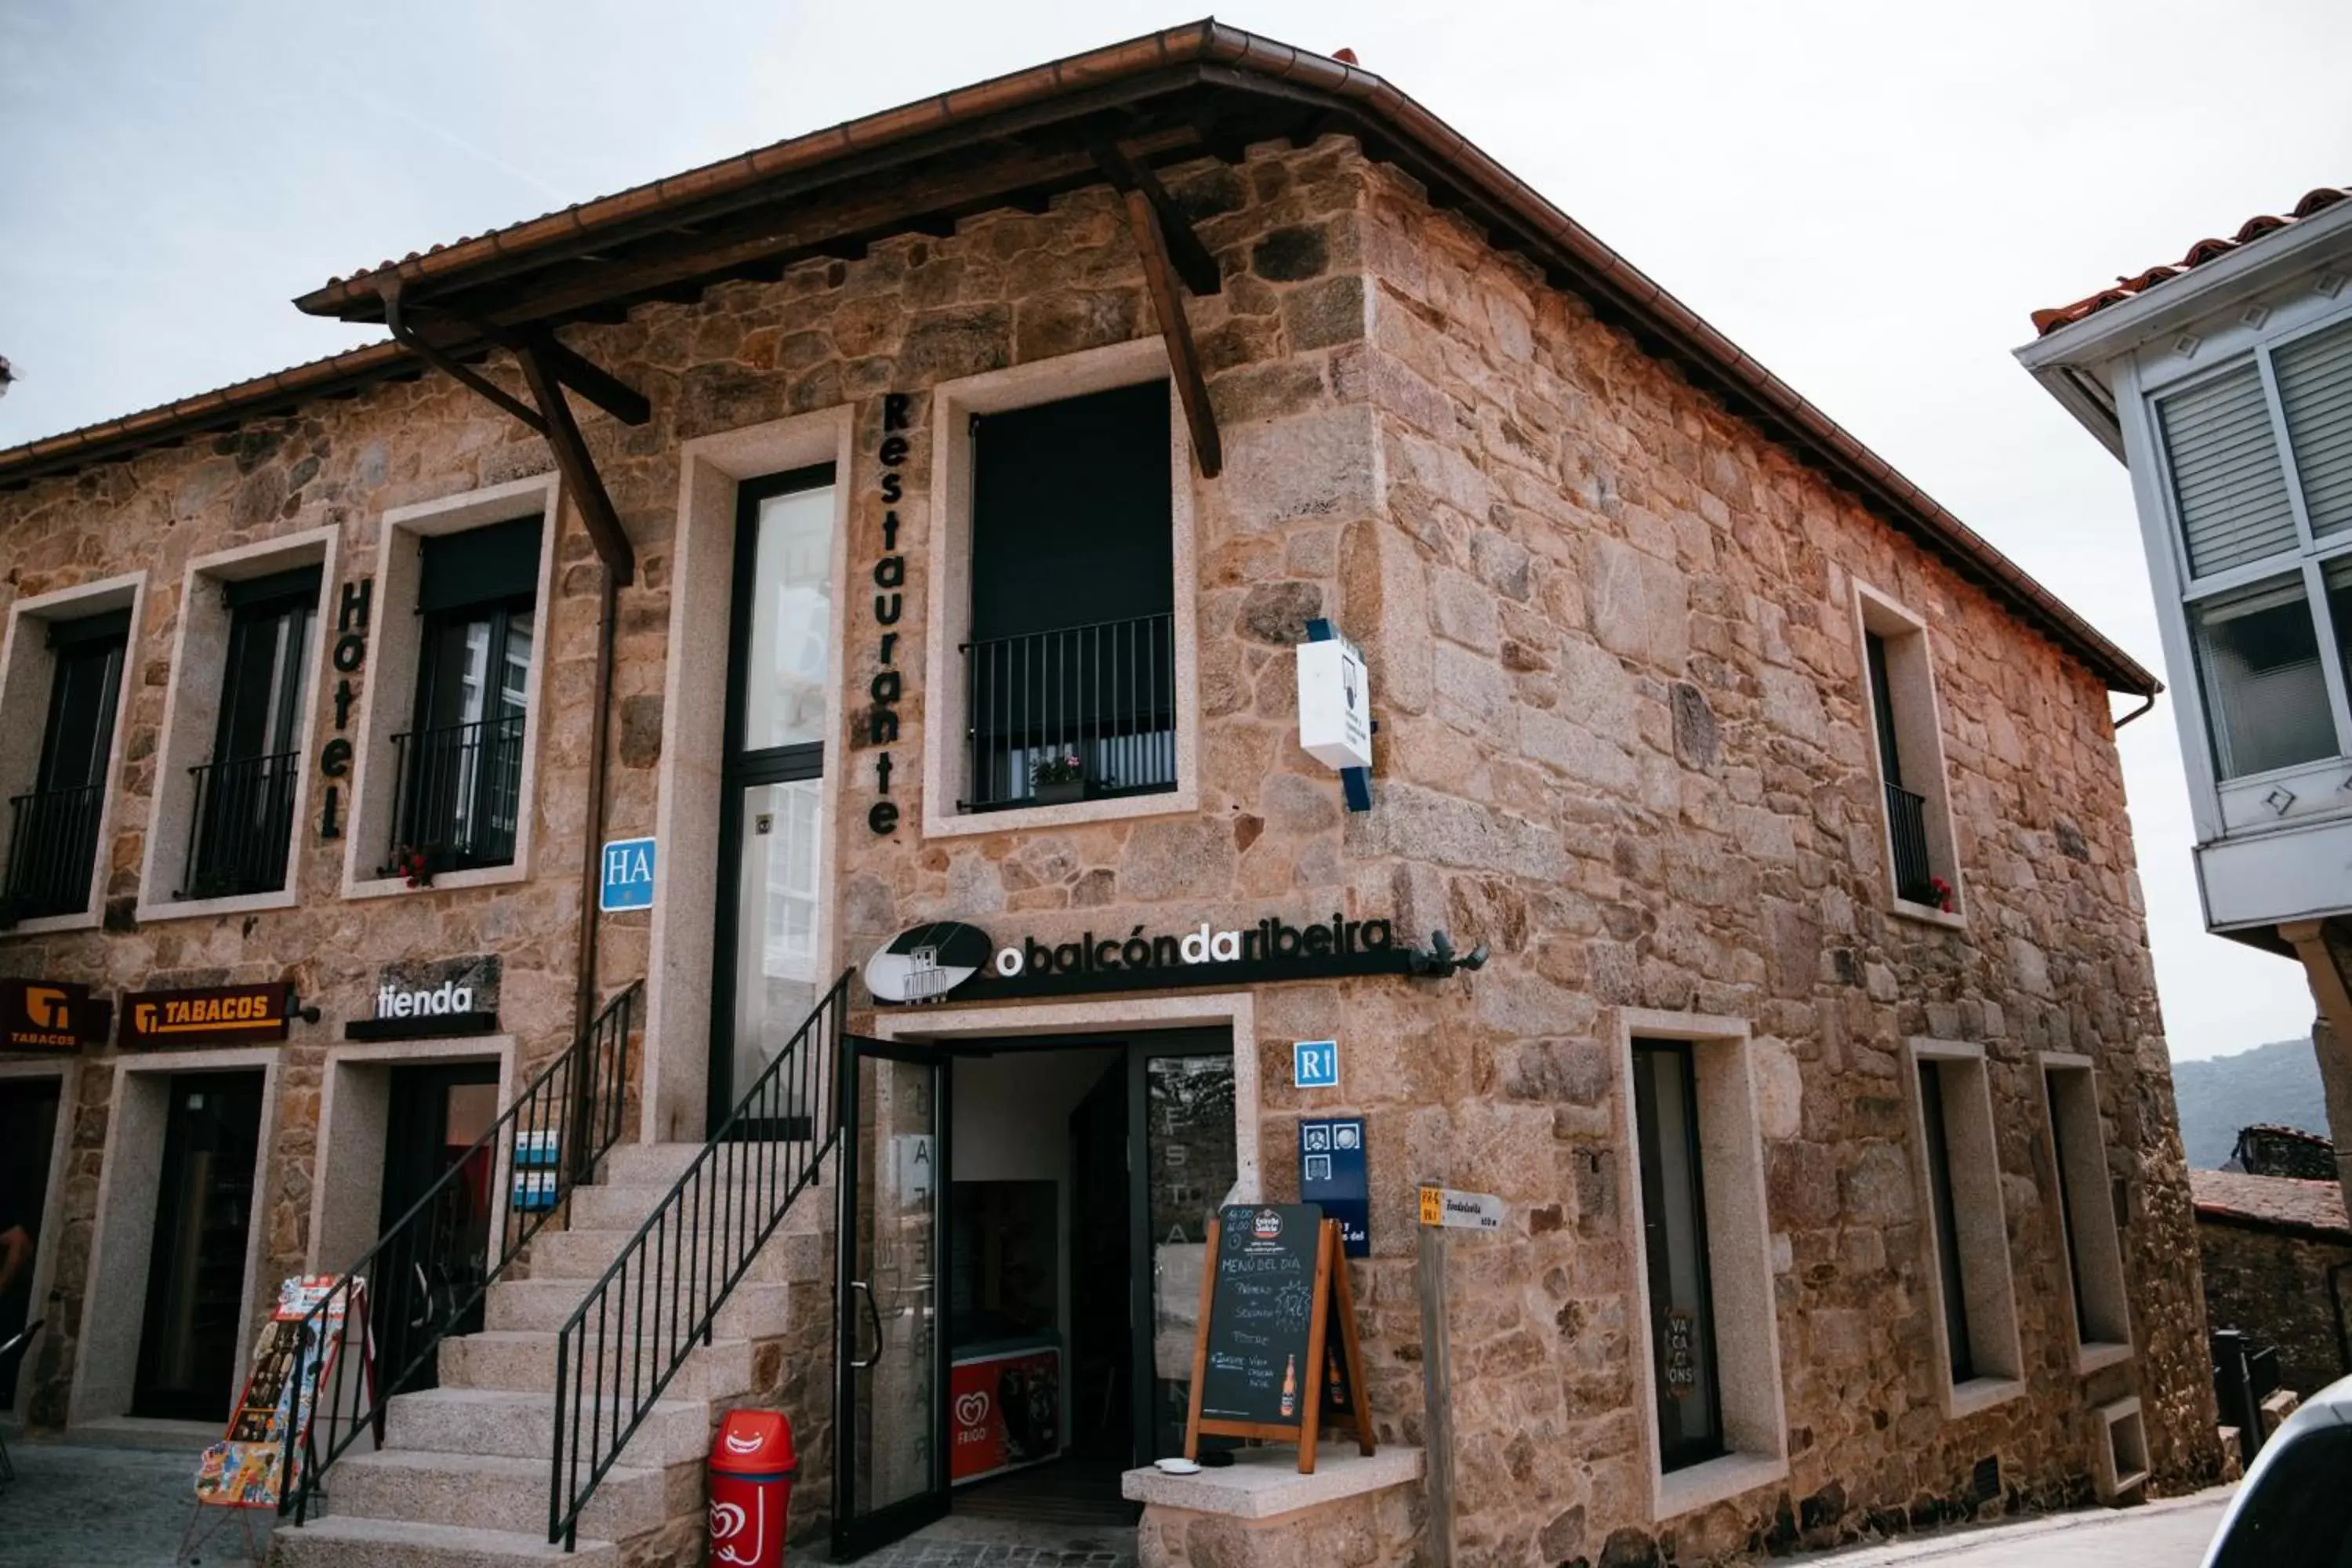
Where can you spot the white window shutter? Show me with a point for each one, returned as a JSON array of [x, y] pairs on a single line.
[[2226, 478], [2315, 383]]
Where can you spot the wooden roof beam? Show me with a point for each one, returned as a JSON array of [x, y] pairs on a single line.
[[1183, 359], [1185, 253]]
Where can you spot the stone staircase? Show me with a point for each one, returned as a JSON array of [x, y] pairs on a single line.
[[463, 1477]]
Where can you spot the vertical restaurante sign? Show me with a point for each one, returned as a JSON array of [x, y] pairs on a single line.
[[207, 1015], [889, 603]]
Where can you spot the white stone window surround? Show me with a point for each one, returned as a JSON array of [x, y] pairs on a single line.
[[1234, 1010], [114, 1297], [2120, 1464], [1740, 1264], [2071, 1098], [1973, 1151], [68, 1072], [192, 711], [1919, 736], [687, 795], [947, 615], [388, 688], [2215, 346], [354, 1101], [26, 665]]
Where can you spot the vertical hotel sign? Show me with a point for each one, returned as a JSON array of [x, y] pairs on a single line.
[[212, 1015]]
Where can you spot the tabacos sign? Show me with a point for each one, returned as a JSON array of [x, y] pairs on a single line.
[[48, 1015], [211, 1014], [927, 962]]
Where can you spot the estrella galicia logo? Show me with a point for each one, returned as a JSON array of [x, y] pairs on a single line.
[[1268, 1224], [926, 963]]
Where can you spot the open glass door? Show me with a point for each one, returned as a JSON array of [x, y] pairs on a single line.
[[890, 1471]]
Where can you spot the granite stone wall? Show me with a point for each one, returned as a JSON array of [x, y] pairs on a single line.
[[2282, 1288], [1624, 742]]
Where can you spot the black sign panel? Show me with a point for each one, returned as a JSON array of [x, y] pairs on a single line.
[[48, 1015], [1261, 1313]]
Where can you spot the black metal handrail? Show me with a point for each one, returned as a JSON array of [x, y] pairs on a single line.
[[52, 850], [1103, 693], [634, 1328], [458, 794], [1906, 828], [243, 826], [425, 1275]]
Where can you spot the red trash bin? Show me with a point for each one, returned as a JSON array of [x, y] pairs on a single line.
[[751, 1470]]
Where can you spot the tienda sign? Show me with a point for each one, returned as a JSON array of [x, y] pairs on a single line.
[[211, 1014]]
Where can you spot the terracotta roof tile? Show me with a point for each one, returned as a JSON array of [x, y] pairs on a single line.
[[2318, 200], [2274, 1201]]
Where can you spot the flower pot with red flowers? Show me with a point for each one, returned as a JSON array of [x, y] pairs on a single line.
[[412, 866], [1943, 893]]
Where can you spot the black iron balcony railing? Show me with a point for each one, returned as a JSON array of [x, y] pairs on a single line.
[[1906, 826], [52, 849], [458, 794], [243, 826], [428, 1275], [1105, 694]]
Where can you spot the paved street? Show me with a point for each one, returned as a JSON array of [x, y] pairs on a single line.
[[125, 1508], [2170, 1534]]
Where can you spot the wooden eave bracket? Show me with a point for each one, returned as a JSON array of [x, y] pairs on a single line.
[[571, 455], [1173, 260], [547, 365]]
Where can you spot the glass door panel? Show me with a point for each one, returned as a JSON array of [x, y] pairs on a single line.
[[1184, 1101], [890, 1469], [776, 923], [779, 684], [188, 1349]]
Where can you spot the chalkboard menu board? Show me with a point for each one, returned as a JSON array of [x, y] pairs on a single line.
[[1266, 1364], [1260, 1312]]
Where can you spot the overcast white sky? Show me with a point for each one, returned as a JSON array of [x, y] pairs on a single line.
[[1868, 198]]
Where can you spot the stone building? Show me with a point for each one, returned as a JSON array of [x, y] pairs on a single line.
[[908, 530], [2273, 1250]]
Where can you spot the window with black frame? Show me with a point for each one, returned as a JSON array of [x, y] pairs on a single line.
[[242, 822], [1907, 808], [1674, 1249], [459, 765], [1070, 671], [53, 830]]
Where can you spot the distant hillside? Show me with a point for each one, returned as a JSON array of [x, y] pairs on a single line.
[[2277, 1083]]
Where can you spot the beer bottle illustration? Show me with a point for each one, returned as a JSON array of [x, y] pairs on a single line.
[[1290, 1386]]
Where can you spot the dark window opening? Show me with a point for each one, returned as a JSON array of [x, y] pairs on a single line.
[[1948, 1230], [1674, 1245], [53, 830], [1907, 809], [460, 766], [243, 818], [1069, 675]]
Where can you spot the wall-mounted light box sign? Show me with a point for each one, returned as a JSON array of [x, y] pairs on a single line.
[[1314, 1064], [1331, 1174], [628, 879], [1335, 710], [205, 1015]]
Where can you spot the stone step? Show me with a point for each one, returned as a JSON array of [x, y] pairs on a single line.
[[522, 1360], [346, 1541], [755, 1308], [488, 1492], [718, 1205], [661, 1164], [584, 1254], [522, 1425]]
